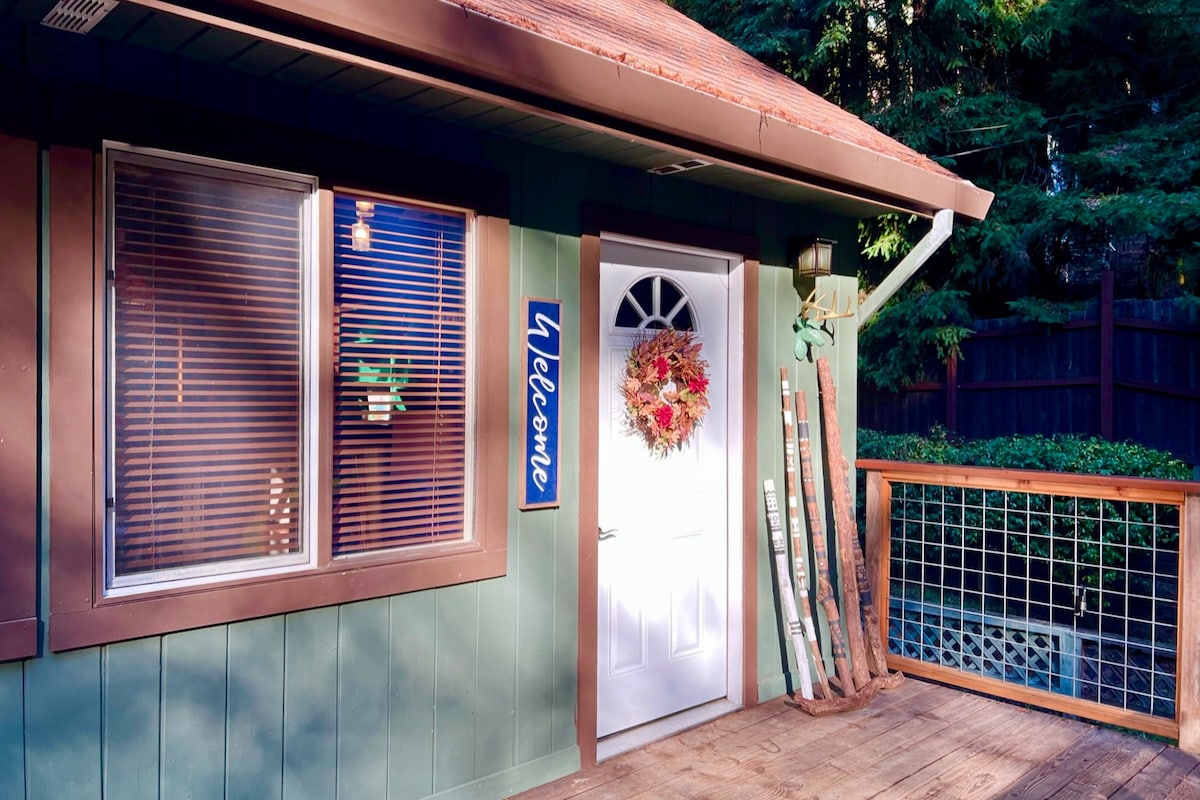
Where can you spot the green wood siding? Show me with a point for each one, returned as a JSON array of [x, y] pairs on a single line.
[[12, 729], [454, 691], [194, 712], [362, 717], [254, 739], [413, 677], [132, 671], [470, 690], [62, 725], [310, 665]]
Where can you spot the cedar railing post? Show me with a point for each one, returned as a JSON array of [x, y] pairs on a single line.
[[1187, 644], [1106, 355], [878, 513]]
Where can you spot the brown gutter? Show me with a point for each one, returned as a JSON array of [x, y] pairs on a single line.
[[460, 40]]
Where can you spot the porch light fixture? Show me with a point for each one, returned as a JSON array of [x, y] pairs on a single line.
[[814, 257], [360, 232]]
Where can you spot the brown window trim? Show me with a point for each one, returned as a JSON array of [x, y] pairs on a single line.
[[80, 615], [18, 398]]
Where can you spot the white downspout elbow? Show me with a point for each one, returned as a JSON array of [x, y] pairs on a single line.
[[943, 226]]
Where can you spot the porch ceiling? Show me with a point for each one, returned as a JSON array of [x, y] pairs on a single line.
[[385, 79]]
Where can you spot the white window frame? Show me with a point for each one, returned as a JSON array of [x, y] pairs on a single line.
[[471, 265], [311, 237]]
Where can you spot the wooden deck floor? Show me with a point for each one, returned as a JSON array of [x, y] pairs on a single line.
[[917, 741]]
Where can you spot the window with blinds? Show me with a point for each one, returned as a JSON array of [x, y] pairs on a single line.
[[289, 380], [400, 431], [207, 271]]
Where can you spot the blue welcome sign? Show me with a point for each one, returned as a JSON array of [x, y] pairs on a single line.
[[540, 428]]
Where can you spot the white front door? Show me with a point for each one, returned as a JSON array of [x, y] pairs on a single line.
[[664, 521]]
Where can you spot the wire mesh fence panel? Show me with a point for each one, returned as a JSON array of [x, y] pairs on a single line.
[[1072, 595]]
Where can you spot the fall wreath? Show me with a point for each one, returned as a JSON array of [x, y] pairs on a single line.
[[666, 389]]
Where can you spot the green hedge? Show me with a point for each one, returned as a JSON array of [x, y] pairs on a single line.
[[1059, 453]]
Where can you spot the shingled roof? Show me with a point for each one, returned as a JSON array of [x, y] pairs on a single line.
[[640, 69], [650, 36]]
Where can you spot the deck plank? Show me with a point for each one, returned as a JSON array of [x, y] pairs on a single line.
[[874, 749], [1188, 788], [921, 751], [1096, 765], [720, 773], [982, 767], [920, 740], [1157, 779]]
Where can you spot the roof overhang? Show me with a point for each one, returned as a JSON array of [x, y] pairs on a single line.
[[446, 46]]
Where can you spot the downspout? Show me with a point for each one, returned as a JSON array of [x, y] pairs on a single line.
[[943, 226]]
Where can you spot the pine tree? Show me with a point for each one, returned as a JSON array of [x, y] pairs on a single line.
[[1082, 116]]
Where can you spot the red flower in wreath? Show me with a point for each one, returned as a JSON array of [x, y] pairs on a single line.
[[666, 389], [662, 415]]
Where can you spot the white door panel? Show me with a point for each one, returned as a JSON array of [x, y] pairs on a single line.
[[663, 563]]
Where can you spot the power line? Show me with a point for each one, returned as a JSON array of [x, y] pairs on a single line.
[[1092, 114]]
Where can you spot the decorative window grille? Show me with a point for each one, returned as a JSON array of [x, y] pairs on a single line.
[[656, 302]]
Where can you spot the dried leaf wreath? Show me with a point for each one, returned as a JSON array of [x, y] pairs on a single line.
[[666, 389]]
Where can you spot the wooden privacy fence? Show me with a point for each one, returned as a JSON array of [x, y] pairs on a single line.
[[1122, 370], [1074, 593]]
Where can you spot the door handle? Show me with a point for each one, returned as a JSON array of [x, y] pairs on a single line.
[[611, 533]]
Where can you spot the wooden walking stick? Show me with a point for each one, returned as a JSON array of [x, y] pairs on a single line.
[[798, 547], [790, 621], [846, 529], [816, 532], [858, 596], [875, 650]]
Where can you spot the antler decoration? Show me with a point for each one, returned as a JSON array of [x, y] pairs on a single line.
[[813, 304], [812, 311]]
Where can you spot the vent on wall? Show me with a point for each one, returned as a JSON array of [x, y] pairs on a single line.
[[681, 166], [78, 16]]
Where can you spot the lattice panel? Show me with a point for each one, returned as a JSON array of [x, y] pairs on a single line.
[[928, 633], [1128, 676]]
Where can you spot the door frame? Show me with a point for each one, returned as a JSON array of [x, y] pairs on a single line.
[[598, 220]]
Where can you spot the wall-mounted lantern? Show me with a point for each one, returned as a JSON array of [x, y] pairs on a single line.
[[814, 257]]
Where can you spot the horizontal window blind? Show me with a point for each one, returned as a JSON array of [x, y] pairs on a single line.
[[400, 418], [206, 373]]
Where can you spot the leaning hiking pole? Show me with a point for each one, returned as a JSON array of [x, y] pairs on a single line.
[[875, 651], [846, 528], [790, 622], [857, 596], [798, 547], [816, 532]]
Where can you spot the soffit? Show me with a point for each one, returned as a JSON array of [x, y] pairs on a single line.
[[374, 78]]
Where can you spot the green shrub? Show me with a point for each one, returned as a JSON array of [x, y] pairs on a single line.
[[1058, 453]]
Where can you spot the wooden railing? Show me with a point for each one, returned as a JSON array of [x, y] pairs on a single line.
[[1074, 593]]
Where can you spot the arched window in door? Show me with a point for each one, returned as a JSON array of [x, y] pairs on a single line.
[[653, 303]]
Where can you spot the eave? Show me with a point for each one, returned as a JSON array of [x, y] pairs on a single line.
[[504, 66]]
